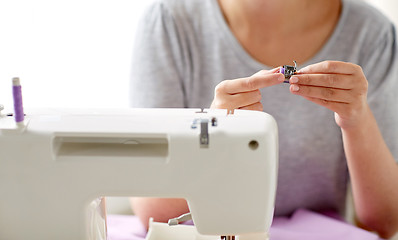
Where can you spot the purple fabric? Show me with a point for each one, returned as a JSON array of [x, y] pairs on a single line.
[[125, 227], [303, 225], [306, 225], [18, 108]]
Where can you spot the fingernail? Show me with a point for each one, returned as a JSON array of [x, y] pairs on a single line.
[[281, 77], [293, 79], [295, 88], [275, 69]]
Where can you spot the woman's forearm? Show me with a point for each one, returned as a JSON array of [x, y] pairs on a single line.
[[160, 209], [374, 177]]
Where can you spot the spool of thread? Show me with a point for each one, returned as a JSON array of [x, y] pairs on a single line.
[[17, 95]]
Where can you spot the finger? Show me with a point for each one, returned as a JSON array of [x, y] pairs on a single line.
[[324, 93], [331, 105], [324, 80], [251, 83], [261, 72], [331, 67], [256, 107], [228, 101], [244, 99]]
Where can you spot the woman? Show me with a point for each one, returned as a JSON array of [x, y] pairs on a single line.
[[337, 119]]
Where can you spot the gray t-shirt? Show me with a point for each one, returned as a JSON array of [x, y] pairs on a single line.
[[184, 48]]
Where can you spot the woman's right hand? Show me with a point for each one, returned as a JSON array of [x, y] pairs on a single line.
[[244, 93]]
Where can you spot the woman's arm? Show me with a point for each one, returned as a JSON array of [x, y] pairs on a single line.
[[160, 209], [342, 88], [374, 177]]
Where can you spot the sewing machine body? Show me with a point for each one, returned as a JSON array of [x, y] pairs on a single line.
[[59, 161]]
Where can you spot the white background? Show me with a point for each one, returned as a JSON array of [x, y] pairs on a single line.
[[74, 53], [69, 53]]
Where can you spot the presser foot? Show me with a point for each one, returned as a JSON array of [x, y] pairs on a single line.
[[227, 237]]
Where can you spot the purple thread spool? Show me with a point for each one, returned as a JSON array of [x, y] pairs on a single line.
[[17, 95]]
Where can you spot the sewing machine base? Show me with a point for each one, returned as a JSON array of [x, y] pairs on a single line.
[[162, 231]]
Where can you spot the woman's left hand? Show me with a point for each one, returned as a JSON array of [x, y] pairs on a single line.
[[339, 86]]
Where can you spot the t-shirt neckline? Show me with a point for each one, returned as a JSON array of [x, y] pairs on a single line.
[[246, 58]]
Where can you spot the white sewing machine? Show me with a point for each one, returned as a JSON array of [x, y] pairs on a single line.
[[54, 164]]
